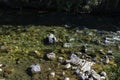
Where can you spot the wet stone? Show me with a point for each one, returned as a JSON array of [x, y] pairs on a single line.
[[35, 68], [51, 55], [67, 45], [50, 39]]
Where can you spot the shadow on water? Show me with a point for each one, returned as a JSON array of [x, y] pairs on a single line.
[[100, 22]]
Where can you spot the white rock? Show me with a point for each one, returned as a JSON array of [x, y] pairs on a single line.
[[35, 68], [1, 65], [52, 38], [67, 66], [74, 67], [60, 59], [72, 39], [87, 66], [63, 73], [52, 74], [83, 76], [107, 60], [103, 73], [103, 78], [95, 75], [67, 78], [49, 69], [1, 70], [77, 71], [51, 55]]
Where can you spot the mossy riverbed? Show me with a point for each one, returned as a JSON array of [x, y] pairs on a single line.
[[21, 46]]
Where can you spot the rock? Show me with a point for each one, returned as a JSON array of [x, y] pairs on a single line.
[[91, 78], [103, 73], [73, 56], [67, 78], [35, 68], [78, 53], [107, 59], [2, 65], [67, 66], [1, 70], [110, 53], [83, 76], [51, 55], [60, 59], [95, 75], [63, 73], [118, 32], [77, 71], [72, 39], [67, 45], [67, 26], [75, 60], [74, 68], [51, 39], [103, 78], [52, 74], [49, 69], [87, 66]]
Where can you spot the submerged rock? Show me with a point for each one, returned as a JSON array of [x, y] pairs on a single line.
[[51, 55], [35, 68], [52, 74], [106, 59], [67, 66], [87, 66], [95, 75], [50, 39], [67, 45], [67, 78], [103, 73], [60, 59]]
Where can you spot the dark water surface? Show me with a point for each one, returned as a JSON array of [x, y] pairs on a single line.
[[106, 22]]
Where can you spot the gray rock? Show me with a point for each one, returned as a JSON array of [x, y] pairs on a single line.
[[77, 71], [118, 32]]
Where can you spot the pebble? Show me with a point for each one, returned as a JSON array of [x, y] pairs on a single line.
[[52, 74], [67, 78], [67, 66]]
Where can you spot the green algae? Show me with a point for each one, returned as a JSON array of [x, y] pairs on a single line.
[[23, 46]]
